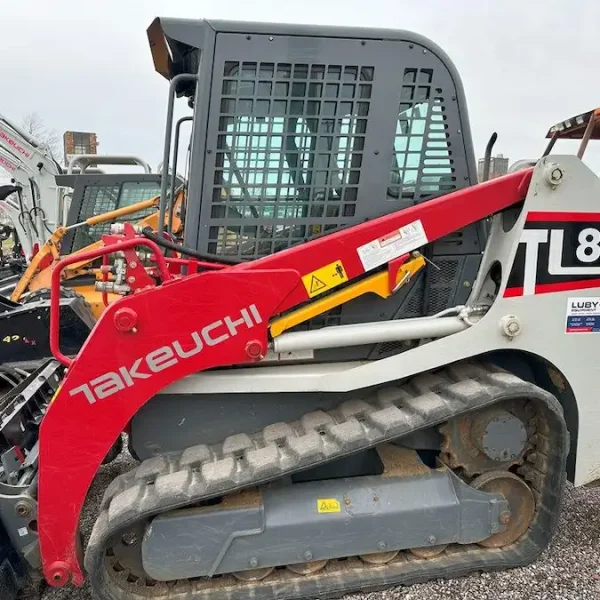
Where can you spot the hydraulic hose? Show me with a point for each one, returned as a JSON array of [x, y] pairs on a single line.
[[161, 241]]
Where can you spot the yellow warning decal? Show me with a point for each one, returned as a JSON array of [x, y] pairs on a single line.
[[328, 505], [325, 278]]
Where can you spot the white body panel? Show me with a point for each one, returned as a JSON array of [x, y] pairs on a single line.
[[542, 317]]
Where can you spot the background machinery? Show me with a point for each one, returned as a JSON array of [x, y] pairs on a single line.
[[33, 203], [54, 212], [36, 202], [338, 380], [25, 299]]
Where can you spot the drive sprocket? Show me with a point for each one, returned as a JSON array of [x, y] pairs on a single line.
[[491, 440]]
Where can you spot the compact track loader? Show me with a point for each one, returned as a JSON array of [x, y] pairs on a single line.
[[341, 380]]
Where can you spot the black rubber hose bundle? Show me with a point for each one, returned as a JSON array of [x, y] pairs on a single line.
[[161, 241]]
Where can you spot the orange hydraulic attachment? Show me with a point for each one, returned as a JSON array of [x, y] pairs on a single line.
[[39, 272]]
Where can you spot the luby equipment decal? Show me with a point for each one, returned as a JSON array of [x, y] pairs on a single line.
[[557, 252], [583, 315]]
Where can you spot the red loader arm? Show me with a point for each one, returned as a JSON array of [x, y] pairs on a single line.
[[145, 341]]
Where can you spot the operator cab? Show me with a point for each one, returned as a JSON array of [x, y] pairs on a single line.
[[300, 130]]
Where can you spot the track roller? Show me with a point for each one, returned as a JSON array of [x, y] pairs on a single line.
[[428, 551], [253, 574], [308, 568], [379, 558]]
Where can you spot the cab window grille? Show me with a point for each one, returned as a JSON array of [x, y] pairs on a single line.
[[422, 164], [98, 199], [290, 148]]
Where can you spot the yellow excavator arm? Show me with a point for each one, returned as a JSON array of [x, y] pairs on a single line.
[[39, 272]]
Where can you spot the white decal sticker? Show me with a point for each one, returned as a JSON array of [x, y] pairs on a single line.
[[394, 244], [583, 315], [23, 531]]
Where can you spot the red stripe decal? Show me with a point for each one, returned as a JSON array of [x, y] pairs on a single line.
[[548, 288], [534, 217], [512, 292]]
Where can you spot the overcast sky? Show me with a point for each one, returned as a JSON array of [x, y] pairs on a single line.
[[525, 64]]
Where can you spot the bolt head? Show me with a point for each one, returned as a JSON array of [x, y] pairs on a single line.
[[308, 555], [510, 326], [22, 509], [431, 540], [253, 562], [382, 545], [505, 517], [60, 574], [129, 539], [554, 174], [125, 319], [255, 350]]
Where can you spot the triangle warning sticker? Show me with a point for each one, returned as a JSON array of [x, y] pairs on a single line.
[[324, 278], [316, 284]]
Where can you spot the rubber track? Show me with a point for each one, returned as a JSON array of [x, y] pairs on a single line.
[[160, 484]]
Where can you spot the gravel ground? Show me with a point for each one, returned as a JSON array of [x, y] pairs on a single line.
[[568, 570]]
